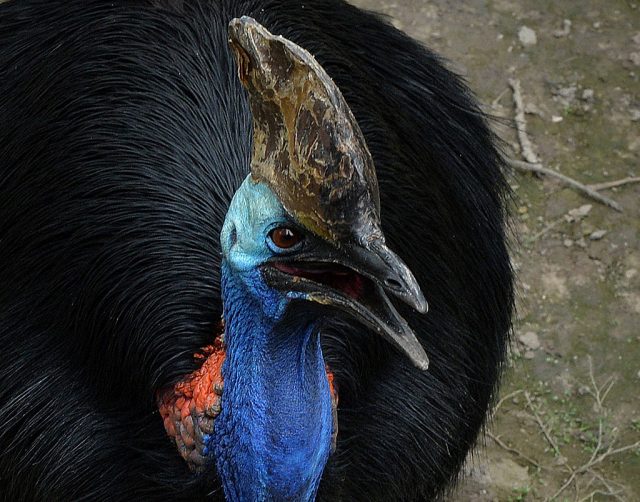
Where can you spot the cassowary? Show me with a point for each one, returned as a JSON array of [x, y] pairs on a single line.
[[208, 210]]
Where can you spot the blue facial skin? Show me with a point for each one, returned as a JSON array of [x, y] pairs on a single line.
[[272, 438]]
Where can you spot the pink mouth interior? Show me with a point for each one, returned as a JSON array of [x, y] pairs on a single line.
[[333, 275]]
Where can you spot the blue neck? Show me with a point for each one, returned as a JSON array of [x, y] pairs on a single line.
[[273, 436]]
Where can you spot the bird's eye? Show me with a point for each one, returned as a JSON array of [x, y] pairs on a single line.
[[285, 237]]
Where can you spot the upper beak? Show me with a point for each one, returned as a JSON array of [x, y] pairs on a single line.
[[355, 279]]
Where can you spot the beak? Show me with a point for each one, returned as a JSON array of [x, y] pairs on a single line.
[[355, 279]]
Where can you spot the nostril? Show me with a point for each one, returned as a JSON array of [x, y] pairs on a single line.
[[392, 283]]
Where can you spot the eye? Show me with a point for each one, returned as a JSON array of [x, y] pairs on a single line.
[[285, 238]]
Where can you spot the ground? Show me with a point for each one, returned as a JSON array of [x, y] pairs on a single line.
[[568, 423]]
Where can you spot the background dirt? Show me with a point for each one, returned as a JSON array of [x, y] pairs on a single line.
[[560, 425]]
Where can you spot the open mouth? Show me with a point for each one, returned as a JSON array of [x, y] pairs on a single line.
[[356, 290], [333, 275]]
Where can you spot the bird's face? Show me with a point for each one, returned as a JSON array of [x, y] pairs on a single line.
[[283, 263]]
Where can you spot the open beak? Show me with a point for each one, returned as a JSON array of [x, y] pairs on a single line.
[[355, 280]]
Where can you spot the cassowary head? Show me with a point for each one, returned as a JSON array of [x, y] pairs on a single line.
[[301, 241], [308, 216]]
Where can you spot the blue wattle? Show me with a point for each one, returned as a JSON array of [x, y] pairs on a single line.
[[273, 436]]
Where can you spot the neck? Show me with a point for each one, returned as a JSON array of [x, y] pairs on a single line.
[[273, 435]]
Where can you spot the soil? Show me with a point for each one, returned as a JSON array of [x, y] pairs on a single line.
[[568, 424]]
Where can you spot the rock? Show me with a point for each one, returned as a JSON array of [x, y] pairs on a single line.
[[631, 273], [529, 354], [588, 95], [567, 92], [579, 212], [565, 95], [597, 235], [555, 119], [634, 57], [636, 38], [527, 36], [567, 243], [530, 340], [635, 115]]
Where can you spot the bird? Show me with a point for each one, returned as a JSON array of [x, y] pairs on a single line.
[[251, 250]]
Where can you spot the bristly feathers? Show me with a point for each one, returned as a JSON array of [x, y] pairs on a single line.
[[124, 133]]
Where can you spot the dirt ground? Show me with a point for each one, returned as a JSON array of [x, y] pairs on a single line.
[[568, 423]]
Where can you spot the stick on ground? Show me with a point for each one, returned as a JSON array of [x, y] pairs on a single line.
[[581, 187], [613, 184], [521, 123]]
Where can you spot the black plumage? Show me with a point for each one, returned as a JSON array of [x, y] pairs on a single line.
[[124, 133]]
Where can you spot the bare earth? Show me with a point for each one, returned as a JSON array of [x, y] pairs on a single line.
[[568, 427]]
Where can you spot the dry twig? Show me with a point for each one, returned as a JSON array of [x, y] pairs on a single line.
[[542, 426], [508, 448], [496, 102], [613, 184], [599, 393], [581, 187], [521, 123], [503, 399], [548, 227]]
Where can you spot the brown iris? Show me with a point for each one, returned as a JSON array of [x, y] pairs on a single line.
[[285, 237]]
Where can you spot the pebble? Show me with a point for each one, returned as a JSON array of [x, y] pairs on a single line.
[[635, 115], [567, 92], [530, 340], [588, 95], [567, 243], [597, 235], [527, 36], [555, 119], [634, 57], [580, 212]]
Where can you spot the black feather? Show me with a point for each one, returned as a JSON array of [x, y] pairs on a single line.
[[124, 133]]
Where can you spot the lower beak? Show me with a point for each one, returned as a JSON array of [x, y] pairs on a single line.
[[355, 280]]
